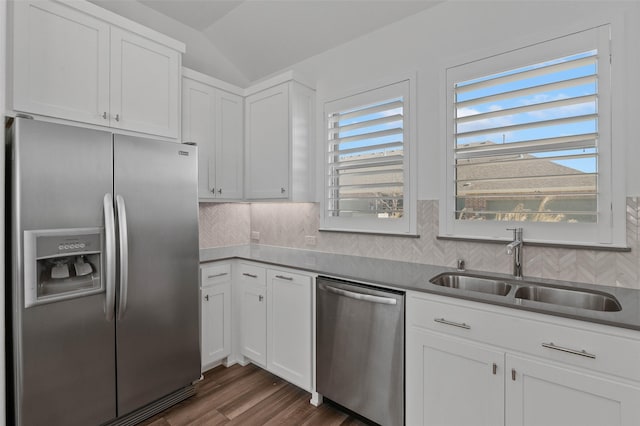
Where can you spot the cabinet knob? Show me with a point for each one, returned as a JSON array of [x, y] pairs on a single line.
[[260, 298], [282, 190], [219, 190], [104, 115], [117, 117], [213, 190], [513, 374], [206, 297]]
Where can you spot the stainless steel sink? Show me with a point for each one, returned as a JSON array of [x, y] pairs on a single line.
[[472, 283], [568, 297]]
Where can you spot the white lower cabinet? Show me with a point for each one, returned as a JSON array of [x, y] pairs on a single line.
[[276, 321], [452, 381], [470, 363], [215, 314], [253, 313], [541, 394], [289, 326]]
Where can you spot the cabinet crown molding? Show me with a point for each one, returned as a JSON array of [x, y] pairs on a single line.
[[211, 81]]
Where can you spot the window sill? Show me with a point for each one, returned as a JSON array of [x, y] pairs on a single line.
[[538, 244], [376, 233]]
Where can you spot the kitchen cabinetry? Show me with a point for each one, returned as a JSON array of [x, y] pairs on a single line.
[[455, 370], [540, 394], [213, 119], [278, 133], [289, 326], [276, 318], [253, 311], [215, 313], [82, 63], [512, 367]]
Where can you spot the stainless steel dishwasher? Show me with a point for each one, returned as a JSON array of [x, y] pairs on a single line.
[[360, 349]]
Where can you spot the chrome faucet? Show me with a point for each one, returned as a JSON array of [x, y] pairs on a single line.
[[515, 248]]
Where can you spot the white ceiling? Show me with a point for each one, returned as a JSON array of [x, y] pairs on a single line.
[[260, 37], [197, 14]]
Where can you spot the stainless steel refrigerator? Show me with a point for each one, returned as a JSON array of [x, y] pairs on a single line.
[[104, 274]]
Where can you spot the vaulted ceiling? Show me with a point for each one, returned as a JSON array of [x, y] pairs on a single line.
[[260, 37]]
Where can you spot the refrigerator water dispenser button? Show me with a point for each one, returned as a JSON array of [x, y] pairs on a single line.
[[60, 271]]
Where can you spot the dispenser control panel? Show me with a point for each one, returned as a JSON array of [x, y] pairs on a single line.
[[60, 264]]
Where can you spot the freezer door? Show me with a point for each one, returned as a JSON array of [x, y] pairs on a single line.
[[63, 363], [157, 332]]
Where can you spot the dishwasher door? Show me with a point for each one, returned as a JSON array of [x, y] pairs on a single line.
[[360, 349]]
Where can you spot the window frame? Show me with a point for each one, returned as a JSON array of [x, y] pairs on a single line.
[[610, 230], [391, 88]]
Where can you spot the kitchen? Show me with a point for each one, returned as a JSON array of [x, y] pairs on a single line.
[[419, 48]]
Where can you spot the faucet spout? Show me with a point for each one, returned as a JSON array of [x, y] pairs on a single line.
[[515, 248]]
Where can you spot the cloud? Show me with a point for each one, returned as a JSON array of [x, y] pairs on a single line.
[[481, 124]]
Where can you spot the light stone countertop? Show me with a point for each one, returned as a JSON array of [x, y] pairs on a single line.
[[416, 276]]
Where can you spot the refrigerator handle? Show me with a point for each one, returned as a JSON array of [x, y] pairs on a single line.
[[124, 255], [109, 256]]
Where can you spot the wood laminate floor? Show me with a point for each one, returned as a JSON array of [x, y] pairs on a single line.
[[249, 396]]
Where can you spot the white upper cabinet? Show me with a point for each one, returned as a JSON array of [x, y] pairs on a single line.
[[85, 64], [229, 164], [145, 78], [60, 62], [212, 118], [278, 134]]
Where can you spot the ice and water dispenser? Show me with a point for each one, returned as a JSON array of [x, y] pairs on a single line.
[[61, 264]]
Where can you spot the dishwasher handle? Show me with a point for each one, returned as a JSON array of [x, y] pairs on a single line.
[[360, 296]]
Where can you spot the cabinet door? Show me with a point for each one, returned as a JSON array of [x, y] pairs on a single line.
[[198, 116], [145, 78], [61, 62], [542, 394], [253, 328], [229, 159], [289, 327], [450, 381], [267, 142], [216, 323]]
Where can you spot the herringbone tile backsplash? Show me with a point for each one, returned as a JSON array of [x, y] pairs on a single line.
[[287, 224]]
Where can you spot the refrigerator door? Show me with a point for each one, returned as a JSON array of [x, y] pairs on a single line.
[[157, 332], [64, 369]]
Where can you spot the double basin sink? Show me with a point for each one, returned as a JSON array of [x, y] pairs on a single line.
[[530, 290]]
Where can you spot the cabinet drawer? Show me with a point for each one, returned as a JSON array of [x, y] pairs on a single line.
[[215, 274], [282, 275], [252, 274], [451, 319], [606, 349], [576, 345]]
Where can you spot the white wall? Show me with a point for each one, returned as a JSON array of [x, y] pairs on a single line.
[[458, 30], [201, 55]]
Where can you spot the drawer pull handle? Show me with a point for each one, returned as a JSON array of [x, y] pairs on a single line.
[[583, 353], [283, 277], [222, 274], [246, 274], [455, 324]]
